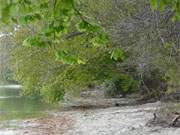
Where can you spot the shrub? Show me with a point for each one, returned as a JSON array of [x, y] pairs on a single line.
[[53, 93], [122, 85]]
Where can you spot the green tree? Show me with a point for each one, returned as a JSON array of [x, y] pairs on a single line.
[[40, 74], [55, 22], [66, 44]]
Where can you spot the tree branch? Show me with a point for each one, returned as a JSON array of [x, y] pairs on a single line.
[[74, 34]]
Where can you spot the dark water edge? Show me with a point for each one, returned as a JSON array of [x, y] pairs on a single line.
[[14, 106]]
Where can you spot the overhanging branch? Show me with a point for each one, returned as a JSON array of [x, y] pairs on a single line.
[[74, 34]]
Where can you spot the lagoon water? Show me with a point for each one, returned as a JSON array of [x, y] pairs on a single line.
[[14, 106]]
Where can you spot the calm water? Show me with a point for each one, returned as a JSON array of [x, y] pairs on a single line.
[[13, 106]]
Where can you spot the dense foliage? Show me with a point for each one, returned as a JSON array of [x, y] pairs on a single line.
[[5, 48], [41, 74], [64, 45], [54, 22]]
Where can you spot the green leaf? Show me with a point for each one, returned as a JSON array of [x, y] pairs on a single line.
[[83, 26], [44, 5], [168, 45], [154, 4], [86, 26], [31, 17], [28, 2], [101, 39], [176, 17], [66, 58], [35, 41], [67, 4], [118, 55], [81, 61], [61, 54], [162, 5], [94, 28], [5, 14], [26, 42]]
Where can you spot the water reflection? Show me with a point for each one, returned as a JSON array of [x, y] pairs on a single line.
[[14, 106]]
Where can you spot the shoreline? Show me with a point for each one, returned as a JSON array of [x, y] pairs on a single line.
[[126, 120]]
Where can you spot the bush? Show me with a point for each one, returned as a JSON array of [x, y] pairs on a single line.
[[53, 93], [122, 85], [40, 74], [153, 84]]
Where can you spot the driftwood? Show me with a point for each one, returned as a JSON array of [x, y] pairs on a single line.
[[155, 116], [175, 120], [173, 123]]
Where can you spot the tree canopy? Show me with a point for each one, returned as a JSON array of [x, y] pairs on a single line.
[[58, 20], [61, 45], [54, 22]]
